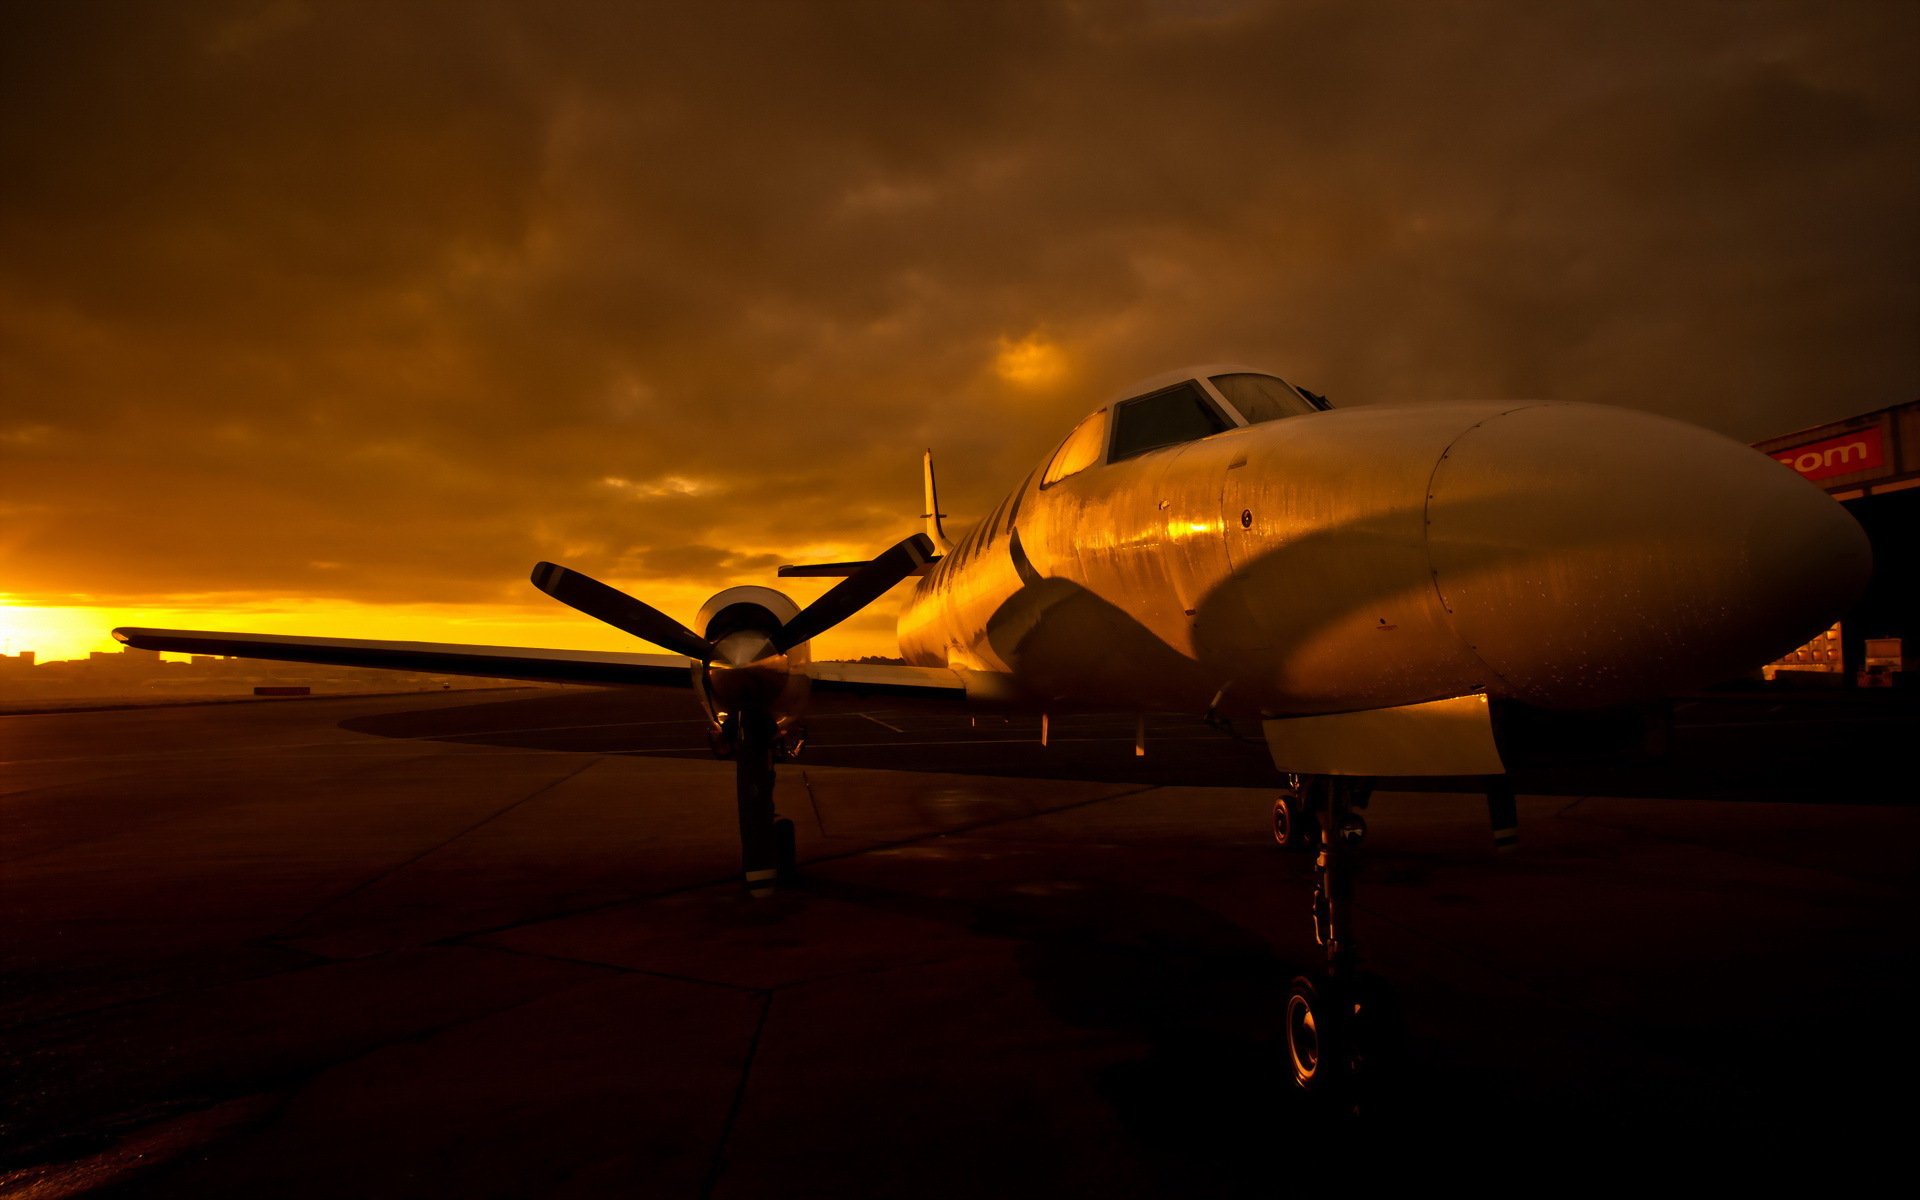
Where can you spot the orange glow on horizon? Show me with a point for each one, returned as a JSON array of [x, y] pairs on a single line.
[[56, 633]]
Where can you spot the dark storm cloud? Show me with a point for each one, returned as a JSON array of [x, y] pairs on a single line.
[[388, 301]]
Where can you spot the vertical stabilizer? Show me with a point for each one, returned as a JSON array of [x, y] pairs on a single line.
[[933, 513]]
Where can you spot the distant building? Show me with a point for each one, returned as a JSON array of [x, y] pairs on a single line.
[[1871, 464]]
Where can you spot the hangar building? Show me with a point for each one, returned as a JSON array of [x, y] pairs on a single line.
[[1871, 464]]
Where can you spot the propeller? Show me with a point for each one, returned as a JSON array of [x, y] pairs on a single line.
[[749, 669], [856, 591], [649, 624], [619, 610]]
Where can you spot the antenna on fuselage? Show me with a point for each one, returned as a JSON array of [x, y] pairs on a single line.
[[933, 514]]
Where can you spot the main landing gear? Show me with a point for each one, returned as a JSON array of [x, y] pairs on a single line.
[[1342, 1026]]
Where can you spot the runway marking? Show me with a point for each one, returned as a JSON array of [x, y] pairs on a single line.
[[880, 723]]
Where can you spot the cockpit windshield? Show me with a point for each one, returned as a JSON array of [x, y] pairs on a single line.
[[1181, 413], [1265, 397], [1080, 451]]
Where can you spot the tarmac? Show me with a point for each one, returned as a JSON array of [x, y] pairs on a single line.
[[494, 945]]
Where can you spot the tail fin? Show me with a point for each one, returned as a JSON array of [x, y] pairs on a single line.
[[933, 514]]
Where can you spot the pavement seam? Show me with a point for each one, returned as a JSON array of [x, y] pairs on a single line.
[[1867, 884], [201, 753], [470, 939], [985, 823], [619, 968], [1624, 1026], [121, 832], [1566, 810], [1566, 1003], [465, 938], [111, 1006], [220, 701], [819, 823], [285, 1083], [390, 872], [719, 1165]]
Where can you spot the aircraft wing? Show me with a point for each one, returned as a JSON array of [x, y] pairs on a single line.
[[439, 658], [885, 679], [841, 570], [602, 667]]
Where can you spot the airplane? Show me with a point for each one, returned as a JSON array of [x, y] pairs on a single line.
[[1379, 587]]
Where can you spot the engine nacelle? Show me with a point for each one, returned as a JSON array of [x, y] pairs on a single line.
[[741, 622], [747, 607]]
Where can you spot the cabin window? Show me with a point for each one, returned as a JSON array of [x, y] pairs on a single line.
[[1181, 413], [1080, 451], [1263, 397]]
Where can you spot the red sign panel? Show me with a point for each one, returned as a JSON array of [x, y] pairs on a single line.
[[1843, 455]]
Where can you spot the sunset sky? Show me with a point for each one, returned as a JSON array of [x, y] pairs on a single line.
[[334, 318]]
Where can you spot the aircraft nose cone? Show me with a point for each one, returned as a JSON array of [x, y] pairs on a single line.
[[1592, 555]]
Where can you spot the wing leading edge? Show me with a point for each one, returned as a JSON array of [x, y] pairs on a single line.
[[439, 658], [601, 667]]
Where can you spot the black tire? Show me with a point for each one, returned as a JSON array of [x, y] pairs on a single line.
[[785, 849], [1344, 1042], [1293, 826], [1311, 1034]]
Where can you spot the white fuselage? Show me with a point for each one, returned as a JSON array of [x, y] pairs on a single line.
[[1561, 554]]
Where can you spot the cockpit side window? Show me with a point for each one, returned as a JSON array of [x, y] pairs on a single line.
[[1080, 451], [1181, 413], [1263, 397]]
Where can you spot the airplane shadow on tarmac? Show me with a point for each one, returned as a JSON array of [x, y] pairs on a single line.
[[1194, 998], [1181, 1004], [1778, 745]]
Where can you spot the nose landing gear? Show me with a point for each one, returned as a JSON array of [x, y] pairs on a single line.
[[1341, 1025], [1294, 825], [767, 847]]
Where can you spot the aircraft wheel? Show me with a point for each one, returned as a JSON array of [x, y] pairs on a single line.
[[785, 851], [1343, 1039], [1293, 826], [1312, 1035]]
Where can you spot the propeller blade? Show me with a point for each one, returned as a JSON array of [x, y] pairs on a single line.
[[856, 591], [619, 610]]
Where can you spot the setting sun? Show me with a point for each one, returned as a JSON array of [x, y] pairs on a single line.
[[54, 633]]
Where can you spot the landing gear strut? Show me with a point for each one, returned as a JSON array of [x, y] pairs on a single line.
[[767, 853], [1340, 1023]]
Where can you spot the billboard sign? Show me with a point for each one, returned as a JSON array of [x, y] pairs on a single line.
[[1862, 450]]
